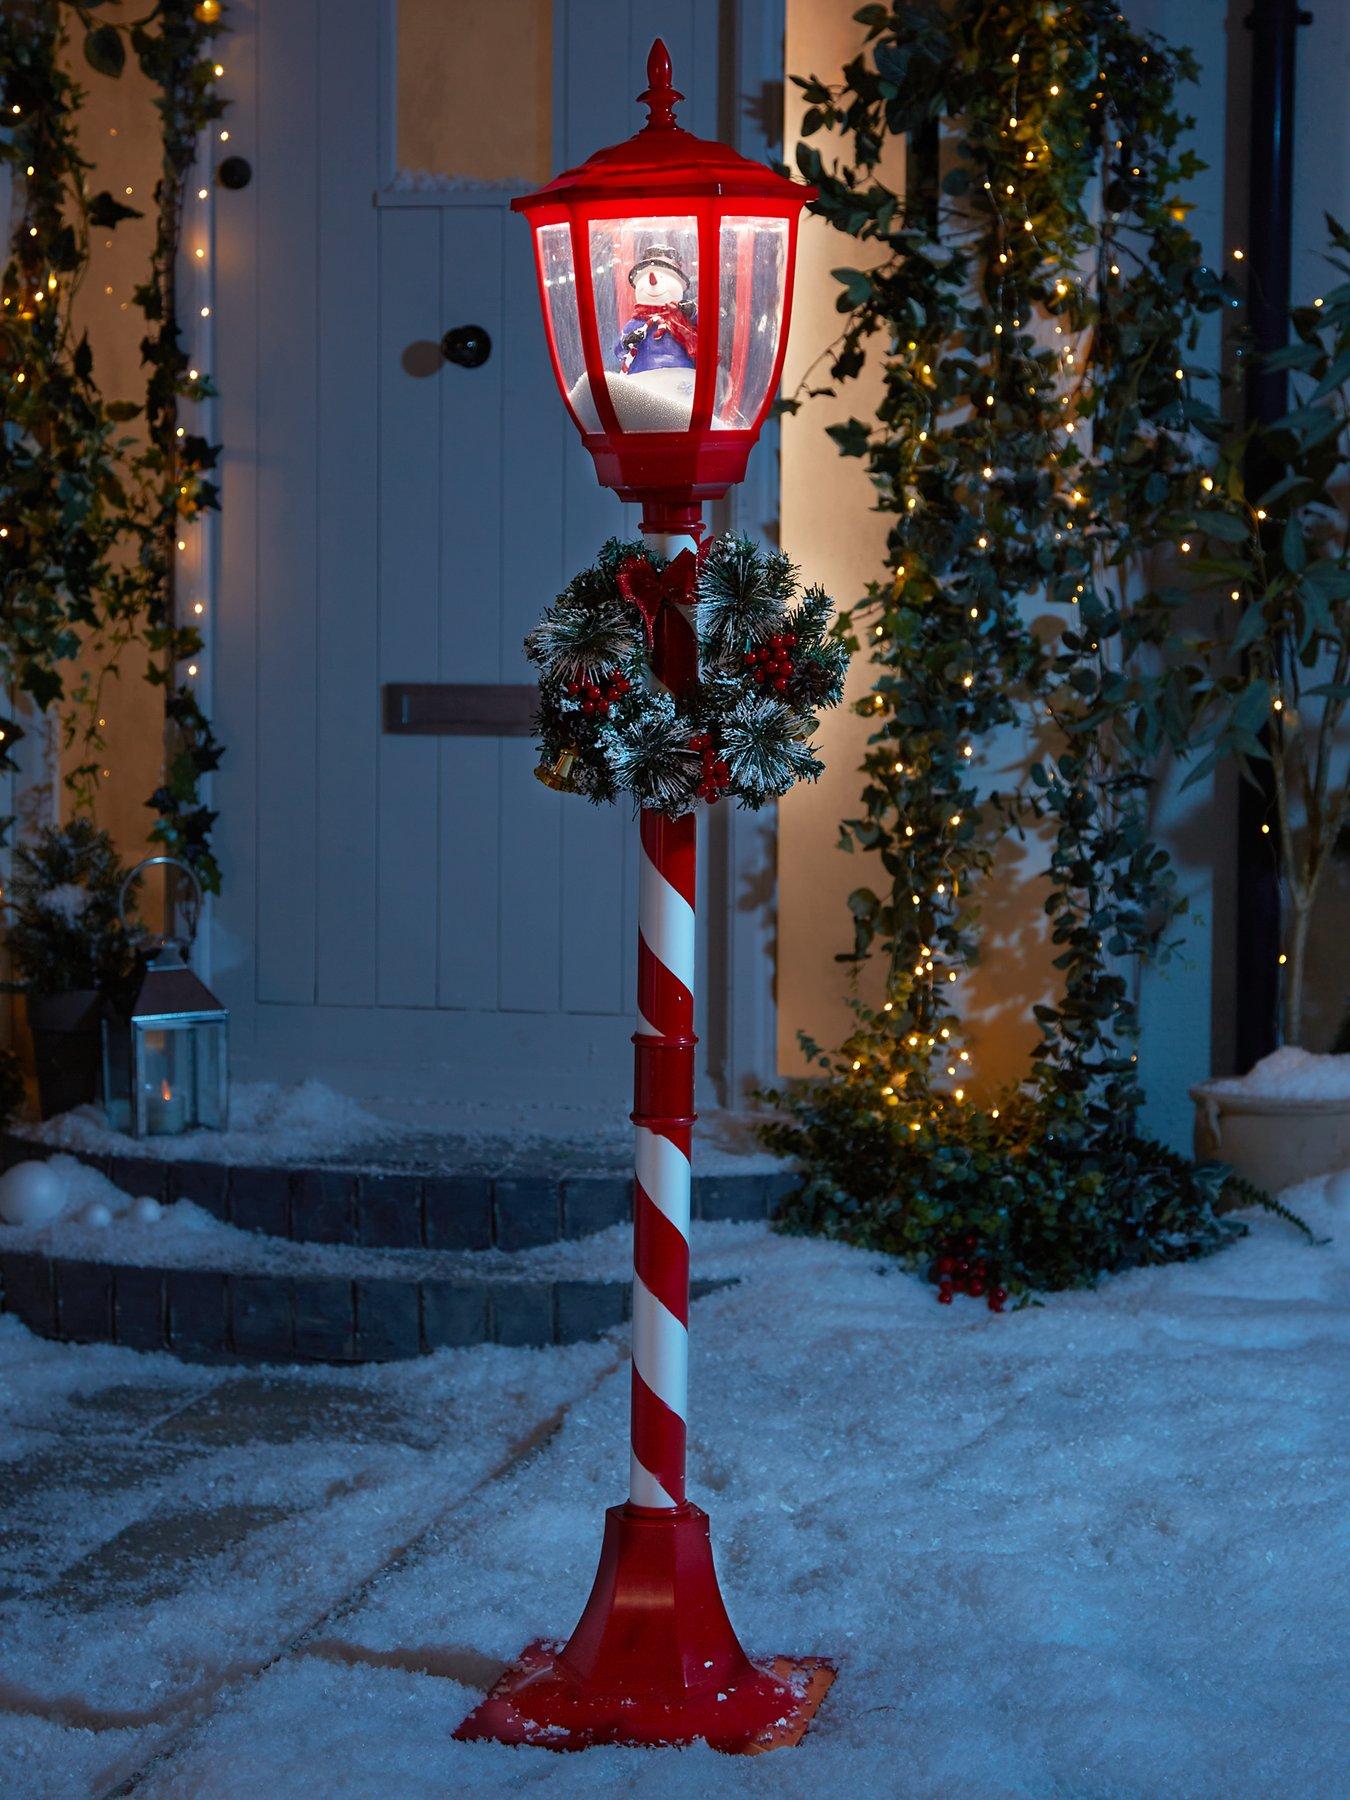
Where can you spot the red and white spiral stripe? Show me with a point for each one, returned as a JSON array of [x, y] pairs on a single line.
[[664, 1109]]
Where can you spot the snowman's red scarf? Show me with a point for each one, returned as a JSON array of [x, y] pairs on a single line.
[[676, 321]]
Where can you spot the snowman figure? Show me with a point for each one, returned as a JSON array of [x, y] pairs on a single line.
[[663, 331], [652, 388]]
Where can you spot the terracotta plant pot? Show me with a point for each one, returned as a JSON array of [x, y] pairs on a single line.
[[1273, 1140], [67, 1049]]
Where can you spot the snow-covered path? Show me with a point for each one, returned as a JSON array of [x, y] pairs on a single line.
[[1098, 1548]]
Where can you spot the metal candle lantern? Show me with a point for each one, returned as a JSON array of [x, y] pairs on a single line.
[[665, 273], [166, 1046]]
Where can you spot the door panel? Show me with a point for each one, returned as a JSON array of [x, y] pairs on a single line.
[[346, 901]]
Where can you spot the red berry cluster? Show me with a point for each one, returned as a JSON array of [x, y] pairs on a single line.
[[959, 1270], [599, 697], [771, 663], [716, 774]]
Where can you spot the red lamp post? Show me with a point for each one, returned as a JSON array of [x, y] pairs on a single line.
[[665, 273]]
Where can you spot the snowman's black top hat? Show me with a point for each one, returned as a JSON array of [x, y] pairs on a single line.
[[658, 256]]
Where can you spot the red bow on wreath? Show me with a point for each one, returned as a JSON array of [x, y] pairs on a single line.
[[649, 588]]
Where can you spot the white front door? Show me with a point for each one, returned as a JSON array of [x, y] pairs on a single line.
[[417, 913]]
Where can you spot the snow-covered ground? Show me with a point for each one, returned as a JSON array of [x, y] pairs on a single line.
[[1095, 1548]]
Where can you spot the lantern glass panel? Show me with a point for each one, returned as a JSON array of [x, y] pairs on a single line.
[[553, 245], [178, 1074], [752, 277], [645, 276]]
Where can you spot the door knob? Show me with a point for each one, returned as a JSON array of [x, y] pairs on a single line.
[[468, 345]]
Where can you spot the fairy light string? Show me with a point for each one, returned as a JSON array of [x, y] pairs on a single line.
[[1041, 435], [90, 560]]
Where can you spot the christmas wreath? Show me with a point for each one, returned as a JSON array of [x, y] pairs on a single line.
[[767, 665]]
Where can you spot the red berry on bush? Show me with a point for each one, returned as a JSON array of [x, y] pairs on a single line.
[[974, 1287], [944, 1296], [946, 1265]]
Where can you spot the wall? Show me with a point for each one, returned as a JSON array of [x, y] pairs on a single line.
[[829, 526], [119, 136]]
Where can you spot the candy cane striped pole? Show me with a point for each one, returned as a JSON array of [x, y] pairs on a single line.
[[663, 1103]]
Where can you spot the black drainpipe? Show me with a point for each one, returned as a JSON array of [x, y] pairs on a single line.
[[1274, 27]]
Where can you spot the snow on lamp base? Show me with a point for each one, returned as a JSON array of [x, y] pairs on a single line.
[[654, 1659]]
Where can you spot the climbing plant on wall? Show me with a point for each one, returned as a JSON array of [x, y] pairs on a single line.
[[93, 503], [1032, 298]]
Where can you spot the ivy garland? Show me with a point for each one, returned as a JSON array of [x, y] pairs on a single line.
[[92, 514], [767, 665], [1033, 300]]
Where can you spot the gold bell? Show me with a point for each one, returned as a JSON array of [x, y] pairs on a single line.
[[558, 775]]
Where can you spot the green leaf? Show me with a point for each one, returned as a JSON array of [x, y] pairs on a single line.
[[1227, 527], [104, 50], [105, 212], [856, 283]]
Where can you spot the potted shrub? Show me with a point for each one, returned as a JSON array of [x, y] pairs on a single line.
[[67, 943], [1274, 686]]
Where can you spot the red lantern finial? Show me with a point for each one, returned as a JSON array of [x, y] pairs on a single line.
[[660, 97]]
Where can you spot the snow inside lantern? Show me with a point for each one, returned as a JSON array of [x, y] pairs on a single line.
[[664, 266]]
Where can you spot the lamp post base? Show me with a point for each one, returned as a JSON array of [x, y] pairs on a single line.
[[654, 1659]]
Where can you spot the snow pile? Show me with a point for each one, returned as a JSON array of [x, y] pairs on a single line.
[[268, 1124], [1289, 1074]]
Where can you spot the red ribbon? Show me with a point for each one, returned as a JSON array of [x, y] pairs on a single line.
[[649, 588]]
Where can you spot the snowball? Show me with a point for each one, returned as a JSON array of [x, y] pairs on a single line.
[[96, 1213], [31, 1194], [144, 1210]]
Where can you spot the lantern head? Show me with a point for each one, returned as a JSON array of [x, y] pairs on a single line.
[[665, 272]]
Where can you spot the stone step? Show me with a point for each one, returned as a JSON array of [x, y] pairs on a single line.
[[213, 1315], [433, 1208]]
